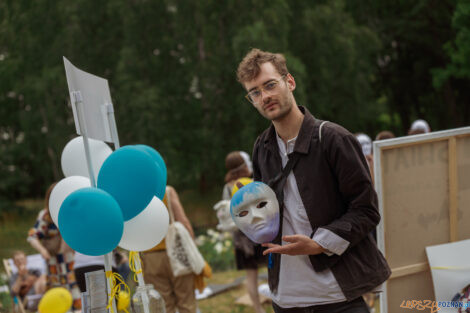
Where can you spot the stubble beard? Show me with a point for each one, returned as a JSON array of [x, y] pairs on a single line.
[[285, 107]]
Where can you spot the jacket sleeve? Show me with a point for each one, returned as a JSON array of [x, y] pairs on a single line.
[[344, 155]]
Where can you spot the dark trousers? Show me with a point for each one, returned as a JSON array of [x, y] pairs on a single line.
[[355, 306]]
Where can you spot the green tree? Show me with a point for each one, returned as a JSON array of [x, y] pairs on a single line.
[[340, 57], [412, 35], [454, 78]]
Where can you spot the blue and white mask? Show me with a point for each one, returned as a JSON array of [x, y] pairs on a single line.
[[255, 211]]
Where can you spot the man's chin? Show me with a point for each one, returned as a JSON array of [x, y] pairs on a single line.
[[278, 115], [272, 114]]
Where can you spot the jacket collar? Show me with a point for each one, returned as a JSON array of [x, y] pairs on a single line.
[[302, 143]]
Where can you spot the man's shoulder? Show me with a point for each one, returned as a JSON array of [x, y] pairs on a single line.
[[262, 137], [331, 130]]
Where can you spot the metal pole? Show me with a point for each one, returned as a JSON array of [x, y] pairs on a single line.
[[78, 102]]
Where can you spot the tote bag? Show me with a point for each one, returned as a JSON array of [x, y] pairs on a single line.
[[184, 256]]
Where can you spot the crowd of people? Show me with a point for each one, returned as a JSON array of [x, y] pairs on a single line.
[[324, 258]]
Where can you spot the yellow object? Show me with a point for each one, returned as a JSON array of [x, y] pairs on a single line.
[[243, 181], [161, 245], [199, 282], [133, 256], [56, 300], [123, 301], [116, 282]]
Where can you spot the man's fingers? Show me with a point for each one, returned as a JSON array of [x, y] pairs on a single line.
[[269, 245], [291, 238], [284, 249], [272, 250]]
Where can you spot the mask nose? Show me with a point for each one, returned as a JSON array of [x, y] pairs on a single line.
[[256, 219], [256, 216]]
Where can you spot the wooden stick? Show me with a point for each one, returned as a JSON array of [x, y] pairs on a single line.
[[409, 270], [453, 190]]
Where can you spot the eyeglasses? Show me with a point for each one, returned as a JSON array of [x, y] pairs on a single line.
[[270, 87]]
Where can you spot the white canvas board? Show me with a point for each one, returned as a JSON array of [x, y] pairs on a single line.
[[378, 147], [96, 97], [455, 257]]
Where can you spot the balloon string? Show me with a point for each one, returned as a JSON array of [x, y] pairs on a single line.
[[133, 256], [116, 282]]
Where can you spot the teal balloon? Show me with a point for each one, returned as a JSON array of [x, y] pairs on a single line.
[[130, 176], [91, 222], [162, 177]]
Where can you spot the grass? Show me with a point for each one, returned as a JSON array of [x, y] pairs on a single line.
[[14, 228], [225, 302]]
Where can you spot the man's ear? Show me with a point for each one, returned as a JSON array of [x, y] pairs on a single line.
[[290, 82]]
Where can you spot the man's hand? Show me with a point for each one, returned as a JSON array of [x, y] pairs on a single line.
[[298, 245]]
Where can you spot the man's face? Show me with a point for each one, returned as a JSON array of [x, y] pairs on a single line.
[[277, 104], [255, 211]]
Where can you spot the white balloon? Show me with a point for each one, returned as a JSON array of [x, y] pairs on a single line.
[[147, 229], [61, 191], [73, 158]]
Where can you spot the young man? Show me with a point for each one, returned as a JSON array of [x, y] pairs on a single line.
[[324, 257]]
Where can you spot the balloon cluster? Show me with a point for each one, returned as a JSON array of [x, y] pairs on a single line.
[[126, 209]]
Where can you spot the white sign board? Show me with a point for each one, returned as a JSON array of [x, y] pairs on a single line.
[[96, 99], [450, 270]]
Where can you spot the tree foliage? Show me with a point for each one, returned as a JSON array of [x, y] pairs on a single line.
[[171, 66]]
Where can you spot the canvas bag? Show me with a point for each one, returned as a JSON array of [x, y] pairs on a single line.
[[182, 251]]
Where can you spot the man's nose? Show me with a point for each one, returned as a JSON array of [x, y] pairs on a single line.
[[265, 96]]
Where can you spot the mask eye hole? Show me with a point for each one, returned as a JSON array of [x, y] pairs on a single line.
[[262, 204], [243, 213]]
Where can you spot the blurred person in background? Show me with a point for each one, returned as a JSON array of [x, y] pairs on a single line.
[[366, 145], [248, 255], [178, 292], [45, 237], [385, 134], [419, 127], [26, 281]]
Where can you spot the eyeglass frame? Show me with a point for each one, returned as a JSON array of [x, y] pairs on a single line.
[[262, 88]]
